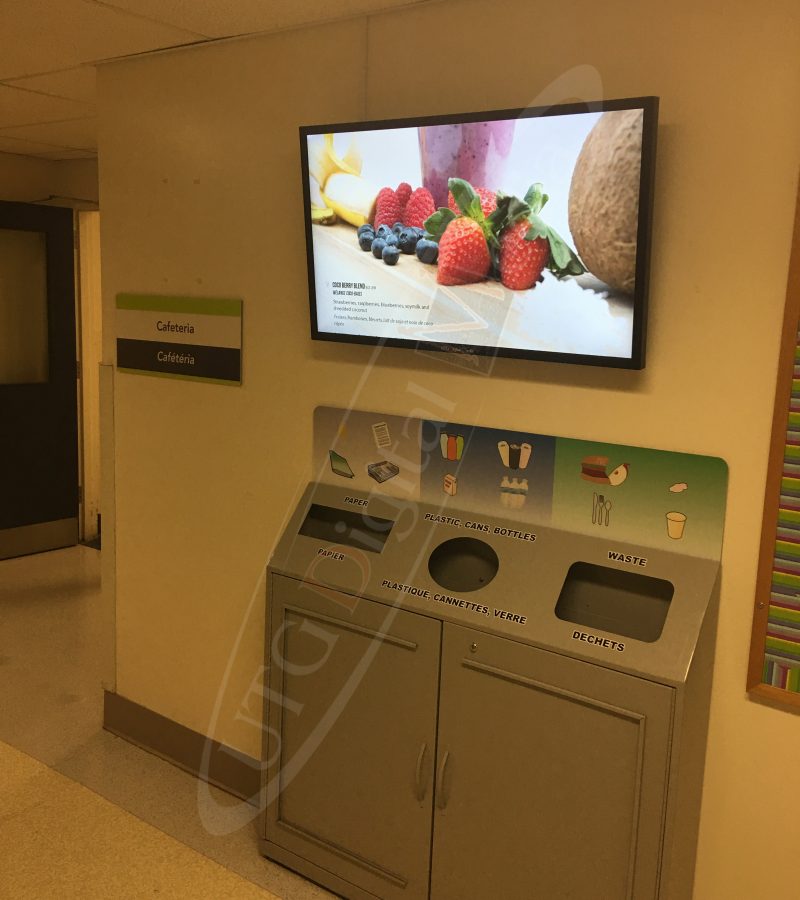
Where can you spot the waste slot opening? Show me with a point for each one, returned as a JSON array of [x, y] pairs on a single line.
[[625, 603], [463, 564]]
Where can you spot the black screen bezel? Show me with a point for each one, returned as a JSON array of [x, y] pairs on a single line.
[[649, 107]]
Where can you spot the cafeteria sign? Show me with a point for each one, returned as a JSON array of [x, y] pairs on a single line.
[[194, 338]]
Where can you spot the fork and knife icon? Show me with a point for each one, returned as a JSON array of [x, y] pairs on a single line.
[[601, 509]]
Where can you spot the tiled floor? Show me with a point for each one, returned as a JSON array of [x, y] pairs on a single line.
[[53, 642], [59, 839]]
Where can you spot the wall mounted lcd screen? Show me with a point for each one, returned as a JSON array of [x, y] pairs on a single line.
[[522, 233]]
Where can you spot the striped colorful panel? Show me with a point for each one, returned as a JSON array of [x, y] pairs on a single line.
[[782, 649], [780, 675]]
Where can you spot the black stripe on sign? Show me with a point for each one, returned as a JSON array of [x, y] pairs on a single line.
[[224, 363]]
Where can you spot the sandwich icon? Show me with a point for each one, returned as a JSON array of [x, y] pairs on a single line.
[[595, 469]]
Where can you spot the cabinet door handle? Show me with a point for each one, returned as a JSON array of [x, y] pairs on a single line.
[[419, 778], [442, 794]]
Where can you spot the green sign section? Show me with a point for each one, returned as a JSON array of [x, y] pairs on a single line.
[[207, 306], [192, 338]]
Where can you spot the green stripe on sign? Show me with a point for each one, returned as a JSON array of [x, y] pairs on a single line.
[[207, 306], [788, 516], [788, 580], [792, 452], [794, 420]]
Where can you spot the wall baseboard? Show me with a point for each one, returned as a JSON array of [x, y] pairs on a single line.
[[225, 768]]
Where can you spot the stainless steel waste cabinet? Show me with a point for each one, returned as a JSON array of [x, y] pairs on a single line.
[[463, 707]]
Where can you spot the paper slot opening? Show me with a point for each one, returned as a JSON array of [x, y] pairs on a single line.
[[344, 526]]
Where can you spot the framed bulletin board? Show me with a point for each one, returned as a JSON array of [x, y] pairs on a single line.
[[774, 668]]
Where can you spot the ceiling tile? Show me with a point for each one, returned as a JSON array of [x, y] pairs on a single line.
[[74, 84], [224, 19], [45, 36], [19, 107], [24, 148], [77, 134], [66, 153], [47, 85]]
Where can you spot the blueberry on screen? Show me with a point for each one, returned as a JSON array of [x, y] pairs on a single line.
[[407, 241], [427, 251], [390, 254]]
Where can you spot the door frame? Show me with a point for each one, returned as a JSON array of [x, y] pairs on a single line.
[[89, 322]]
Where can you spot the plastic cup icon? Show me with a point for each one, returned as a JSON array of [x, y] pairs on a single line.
[[676, 522]]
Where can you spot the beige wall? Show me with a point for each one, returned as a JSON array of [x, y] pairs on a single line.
[[76, 181], [27, 179], [201, 195]]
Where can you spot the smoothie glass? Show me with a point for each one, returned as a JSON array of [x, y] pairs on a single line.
[[474, 151]]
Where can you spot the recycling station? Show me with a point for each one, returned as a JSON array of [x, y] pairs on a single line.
[[470, 697]]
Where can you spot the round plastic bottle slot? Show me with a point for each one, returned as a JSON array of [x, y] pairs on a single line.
[[463, 564]]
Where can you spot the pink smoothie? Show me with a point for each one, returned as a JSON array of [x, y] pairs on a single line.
[[474, 151]]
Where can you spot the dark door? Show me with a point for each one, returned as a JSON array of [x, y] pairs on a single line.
[[38, 397]]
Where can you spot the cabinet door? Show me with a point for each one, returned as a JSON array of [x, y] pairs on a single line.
[[352, 716], [551, 776]]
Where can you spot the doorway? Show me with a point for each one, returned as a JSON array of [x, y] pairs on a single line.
[[39, 493]]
